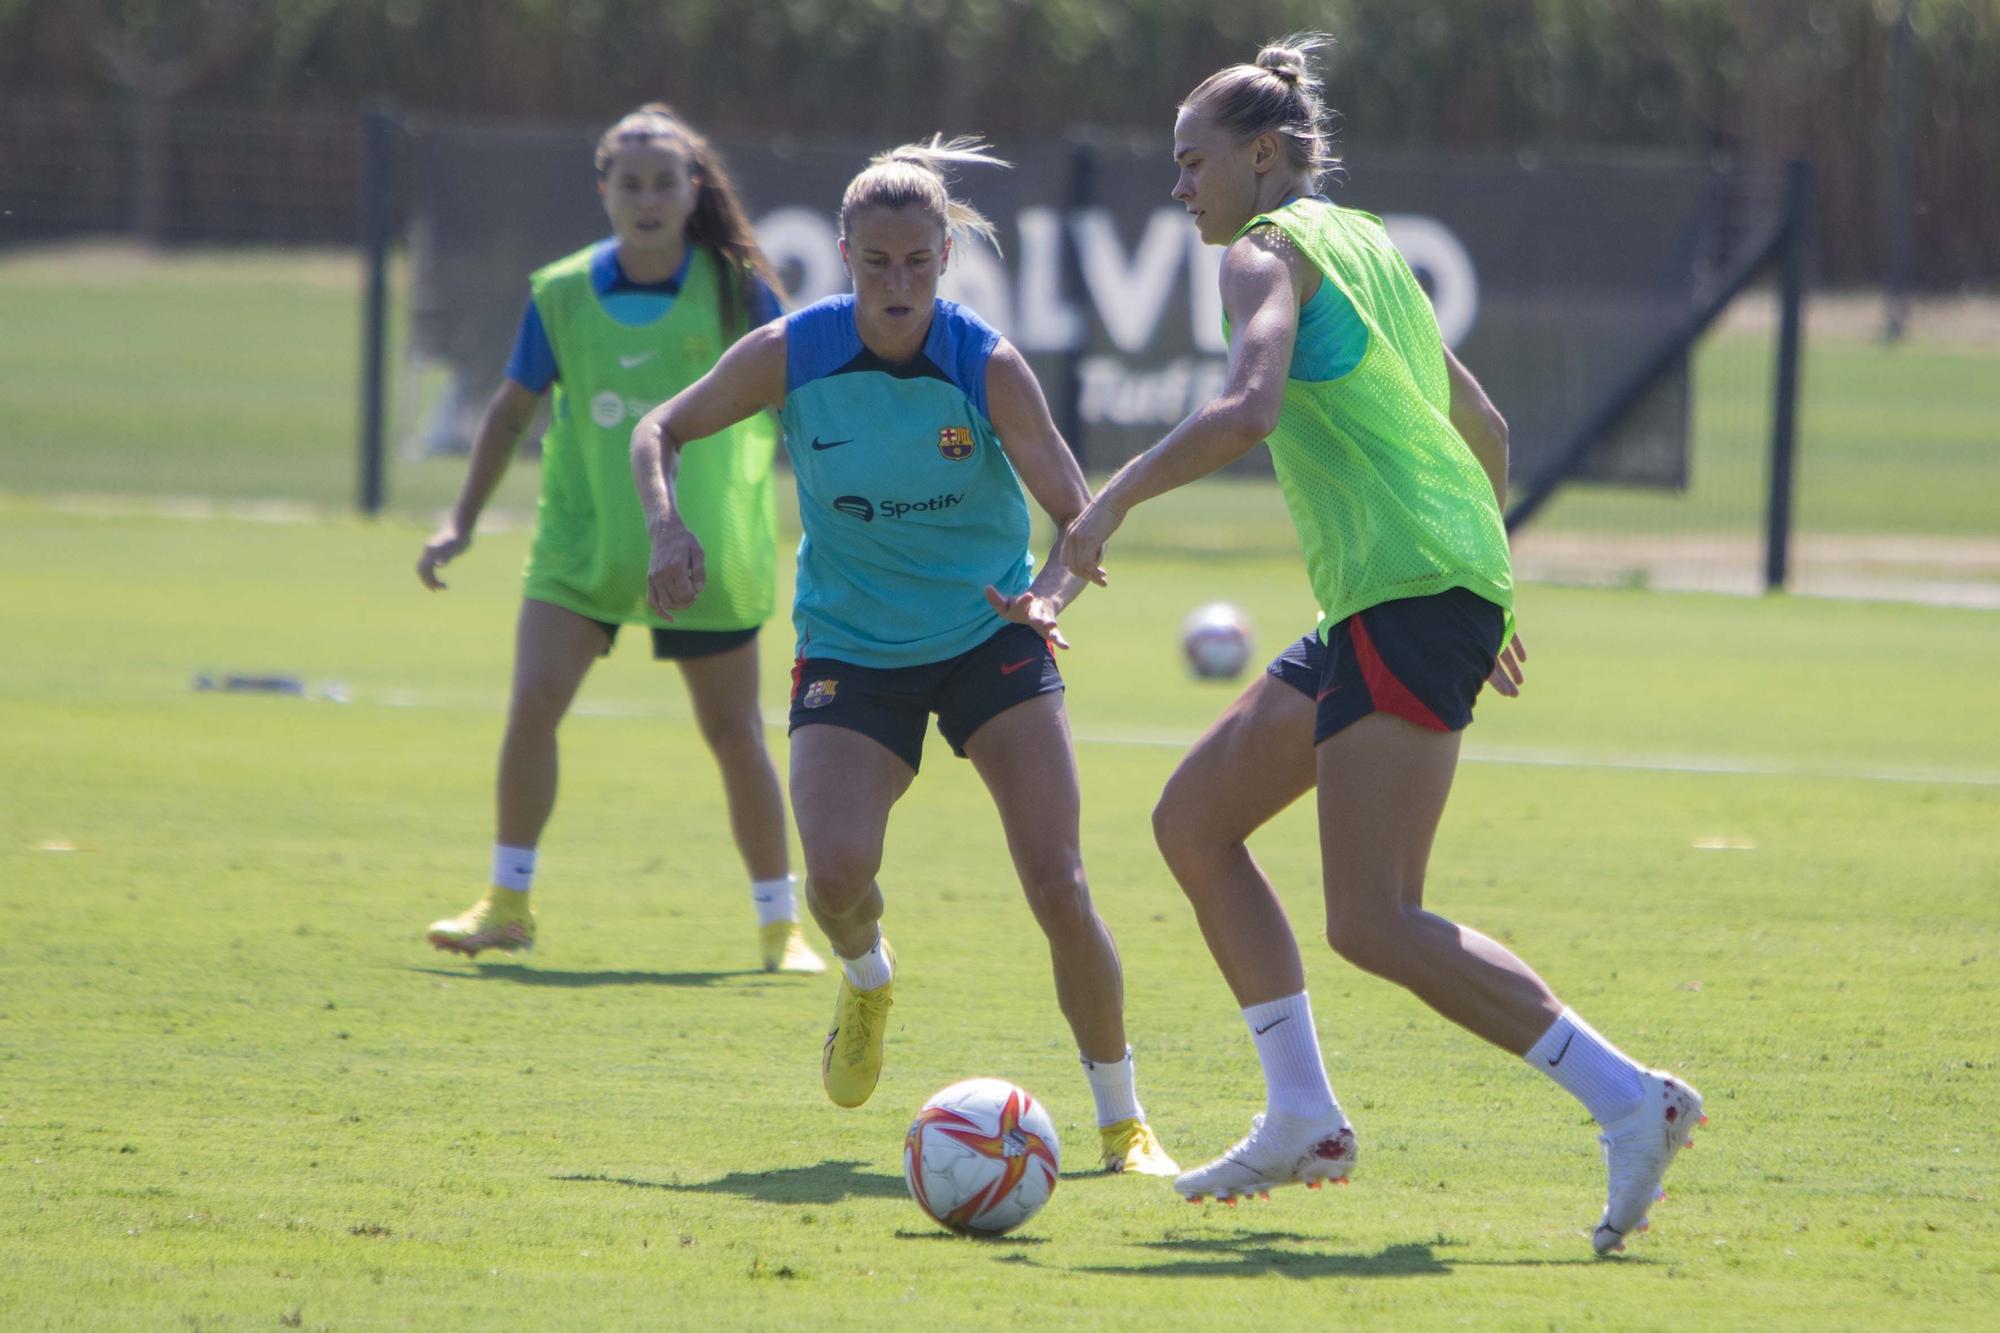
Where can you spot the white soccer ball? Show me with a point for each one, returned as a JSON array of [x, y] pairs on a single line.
[[1216, 639], [981, 1157]]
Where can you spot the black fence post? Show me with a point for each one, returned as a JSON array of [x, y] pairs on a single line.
[[1784, 410], [378, 166], [1082, 189], [1902, 180]]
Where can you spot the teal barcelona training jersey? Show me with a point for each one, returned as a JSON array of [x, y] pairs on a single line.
[[910, 506]]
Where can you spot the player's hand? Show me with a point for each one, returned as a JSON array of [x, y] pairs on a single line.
[[679, 570], [1083, 542], [1507, 675], [445, 545], [1029, 608]]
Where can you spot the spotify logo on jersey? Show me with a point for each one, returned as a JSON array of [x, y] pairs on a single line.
[[859, 506], [607, 409]]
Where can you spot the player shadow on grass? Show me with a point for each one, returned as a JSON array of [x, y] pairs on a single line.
[[1258, 1253], [1254, 1255], [822, 1182], [537, 976]]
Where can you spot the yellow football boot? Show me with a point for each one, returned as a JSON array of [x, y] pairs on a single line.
[[1131, 1147], [501, 920], [786, 950], [851, 1061]]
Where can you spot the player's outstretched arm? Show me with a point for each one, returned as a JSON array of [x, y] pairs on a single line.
[[508, 413], [1479, 424], [1484, 431], [749, 378], [1048, 468], [1261, 297]]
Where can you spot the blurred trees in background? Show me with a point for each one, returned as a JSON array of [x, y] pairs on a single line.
[[1757, 79]]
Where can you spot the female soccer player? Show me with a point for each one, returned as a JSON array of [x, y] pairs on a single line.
[[613, 329], [1336, 359], [911, 427]]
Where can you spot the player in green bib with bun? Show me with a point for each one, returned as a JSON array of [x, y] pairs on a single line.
[[1393, 465], [608, 332]]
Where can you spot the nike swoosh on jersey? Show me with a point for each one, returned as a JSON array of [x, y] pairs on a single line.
[[818, 443], [639, 360]]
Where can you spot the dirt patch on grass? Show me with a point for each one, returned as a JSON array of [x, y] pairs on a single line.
[[1964, 319], [1949, 571]]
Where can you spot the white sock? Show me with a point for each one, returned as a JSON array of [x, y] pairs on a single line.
[[1295, 1080], [1605, 1079], [773, 898], [513, 867], [870, 970], [1112, 1085]]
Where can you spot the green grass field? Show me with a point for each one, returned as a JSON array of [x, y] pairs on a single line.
[[1757, 841], [239, 1089]]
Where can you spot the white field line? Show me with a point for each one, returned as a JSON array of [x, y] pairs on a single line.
[[1824, 566], [1708, 765], [1474, 753], [210, 509]]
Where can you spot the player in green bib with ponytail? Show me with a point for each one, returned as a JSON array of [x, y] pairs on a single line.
[[1394, 467], [608, 332]]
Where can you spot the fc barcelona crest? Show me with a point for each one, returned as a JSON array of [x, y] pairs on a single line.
[[955, 443], [820, 693]]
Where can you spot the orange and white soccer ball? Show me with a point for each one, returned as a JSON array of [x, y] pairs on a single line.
[[1216, 639], [981, 1157]]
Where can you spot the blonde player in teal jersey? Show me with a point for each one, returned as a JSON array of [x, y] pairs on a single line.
[[1393, 464], [611, 330], [912, 427]]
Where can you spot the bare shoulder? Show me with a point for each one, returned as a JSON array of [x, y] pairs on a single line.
[[1007, 365], [1263, 251], [758, 359], [764, 342], [1010, 380], [1258, 273]]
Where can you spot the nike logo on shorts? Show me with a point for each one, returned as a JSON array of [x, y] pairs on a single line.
[[1009, 668]]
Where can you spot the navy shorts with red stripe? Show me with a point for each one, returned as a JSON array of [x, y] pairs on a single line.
[[1422, 659], [893, 704]]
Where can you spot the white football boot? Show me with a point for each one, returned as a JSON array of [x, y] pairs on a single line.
[[1280, 1150], [1638, 1149]]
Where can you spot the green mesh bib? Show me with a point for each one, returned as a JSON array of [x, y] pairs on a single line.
[[1389, 502], [591, 548]]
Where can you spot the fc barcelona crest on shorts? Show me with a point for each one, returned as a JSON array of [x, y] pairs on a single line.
[[820, 693], [955, 443]]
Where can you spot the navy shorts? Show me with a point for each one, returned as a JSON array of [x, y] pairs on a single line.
[[893, 704], [680, 644], [1422, 659]]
